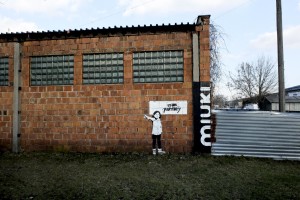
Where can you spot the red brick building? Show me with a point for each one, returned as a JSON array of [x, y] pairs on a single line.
[[88, 90]]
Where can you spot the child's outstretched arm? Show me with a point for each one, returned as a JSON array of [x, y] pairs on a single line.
[[150, 118]]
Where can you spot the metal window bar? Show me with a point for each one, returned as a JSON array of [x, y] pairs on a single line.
[[52, 70], [158, 66], [105, 68], [4, 71]]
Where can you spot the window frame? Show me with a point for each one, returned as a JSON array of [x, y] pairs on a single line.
[[4, 71], [158, 66], [103, 68], [51, 70]]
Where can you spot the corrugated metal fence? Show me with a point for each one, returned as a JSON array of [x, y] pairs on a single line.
[[257, 134]]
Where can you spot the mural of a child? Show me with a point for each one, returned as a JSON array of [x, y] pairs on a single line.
[[156, 132]]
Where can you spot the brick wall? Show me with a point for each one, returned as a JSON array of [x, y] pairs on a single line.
[[103, 118], [204, 51], [6, 101]]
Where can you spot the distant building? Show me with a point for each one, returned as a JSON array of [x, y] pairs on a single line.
[[292, 100], [293, 91]]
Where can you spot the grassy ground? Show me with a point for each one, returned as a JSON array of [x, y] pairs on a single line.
[[139, 176]]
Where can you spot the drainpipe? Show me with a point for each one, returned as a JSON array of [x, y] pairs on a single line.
[[196, 92], [16, 98]]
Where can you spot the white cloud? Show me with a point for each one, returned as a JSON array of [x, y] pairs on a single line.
[[142, 7], [8, 25], [291, 37], [48, 7], [267, 41]]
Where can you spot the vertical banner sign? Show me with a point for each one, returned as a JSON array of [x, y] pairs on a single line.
[[202, 117], [205, 117]]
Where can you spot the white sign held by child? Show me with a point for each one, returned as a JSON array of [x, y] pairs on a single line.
[[168, 107]]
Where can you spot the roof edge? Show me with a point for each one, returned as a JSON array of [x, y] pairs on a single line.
[[84, 33]]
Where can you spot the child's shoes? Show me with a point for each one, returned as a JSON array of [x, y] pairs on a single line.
[[154, 151], [160, 151]]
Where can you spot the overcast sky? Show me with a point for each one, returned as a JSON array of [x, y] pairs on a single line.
[[249, 26]]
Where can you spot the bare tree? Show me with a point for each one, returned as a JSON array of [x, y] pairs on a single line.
[[254, 80], [219, 101], [216, 43], [266, 76]]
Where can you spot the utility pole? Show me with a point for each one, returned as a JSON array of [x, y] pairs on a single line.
[[281, 88]]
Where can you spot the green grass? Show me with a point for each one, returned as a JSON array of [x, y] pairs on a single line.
[[140, 176]]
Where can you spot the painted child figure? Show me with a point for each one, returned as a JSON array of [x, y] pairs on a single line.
[[156, 132]]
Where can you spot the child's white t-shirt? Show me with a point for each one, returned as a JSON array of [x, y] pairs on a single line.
[[157, 127]]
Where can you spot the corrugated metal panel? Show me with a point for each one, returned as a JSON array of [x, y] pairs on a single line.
[[257, 134]]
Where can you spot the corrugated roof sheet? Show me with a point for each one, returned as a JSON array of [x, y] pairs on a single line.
[[273, 98], [110, 31], [293, 89]]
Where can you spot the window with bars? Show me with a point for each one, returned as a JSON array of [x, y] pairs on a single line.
[[106, 68], [4, 71], [158, 66], [52, 70]]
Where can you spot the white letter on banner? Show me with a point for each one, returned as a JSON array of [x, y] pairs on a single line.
[[205, 107], [205, 135], [205, 98]]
